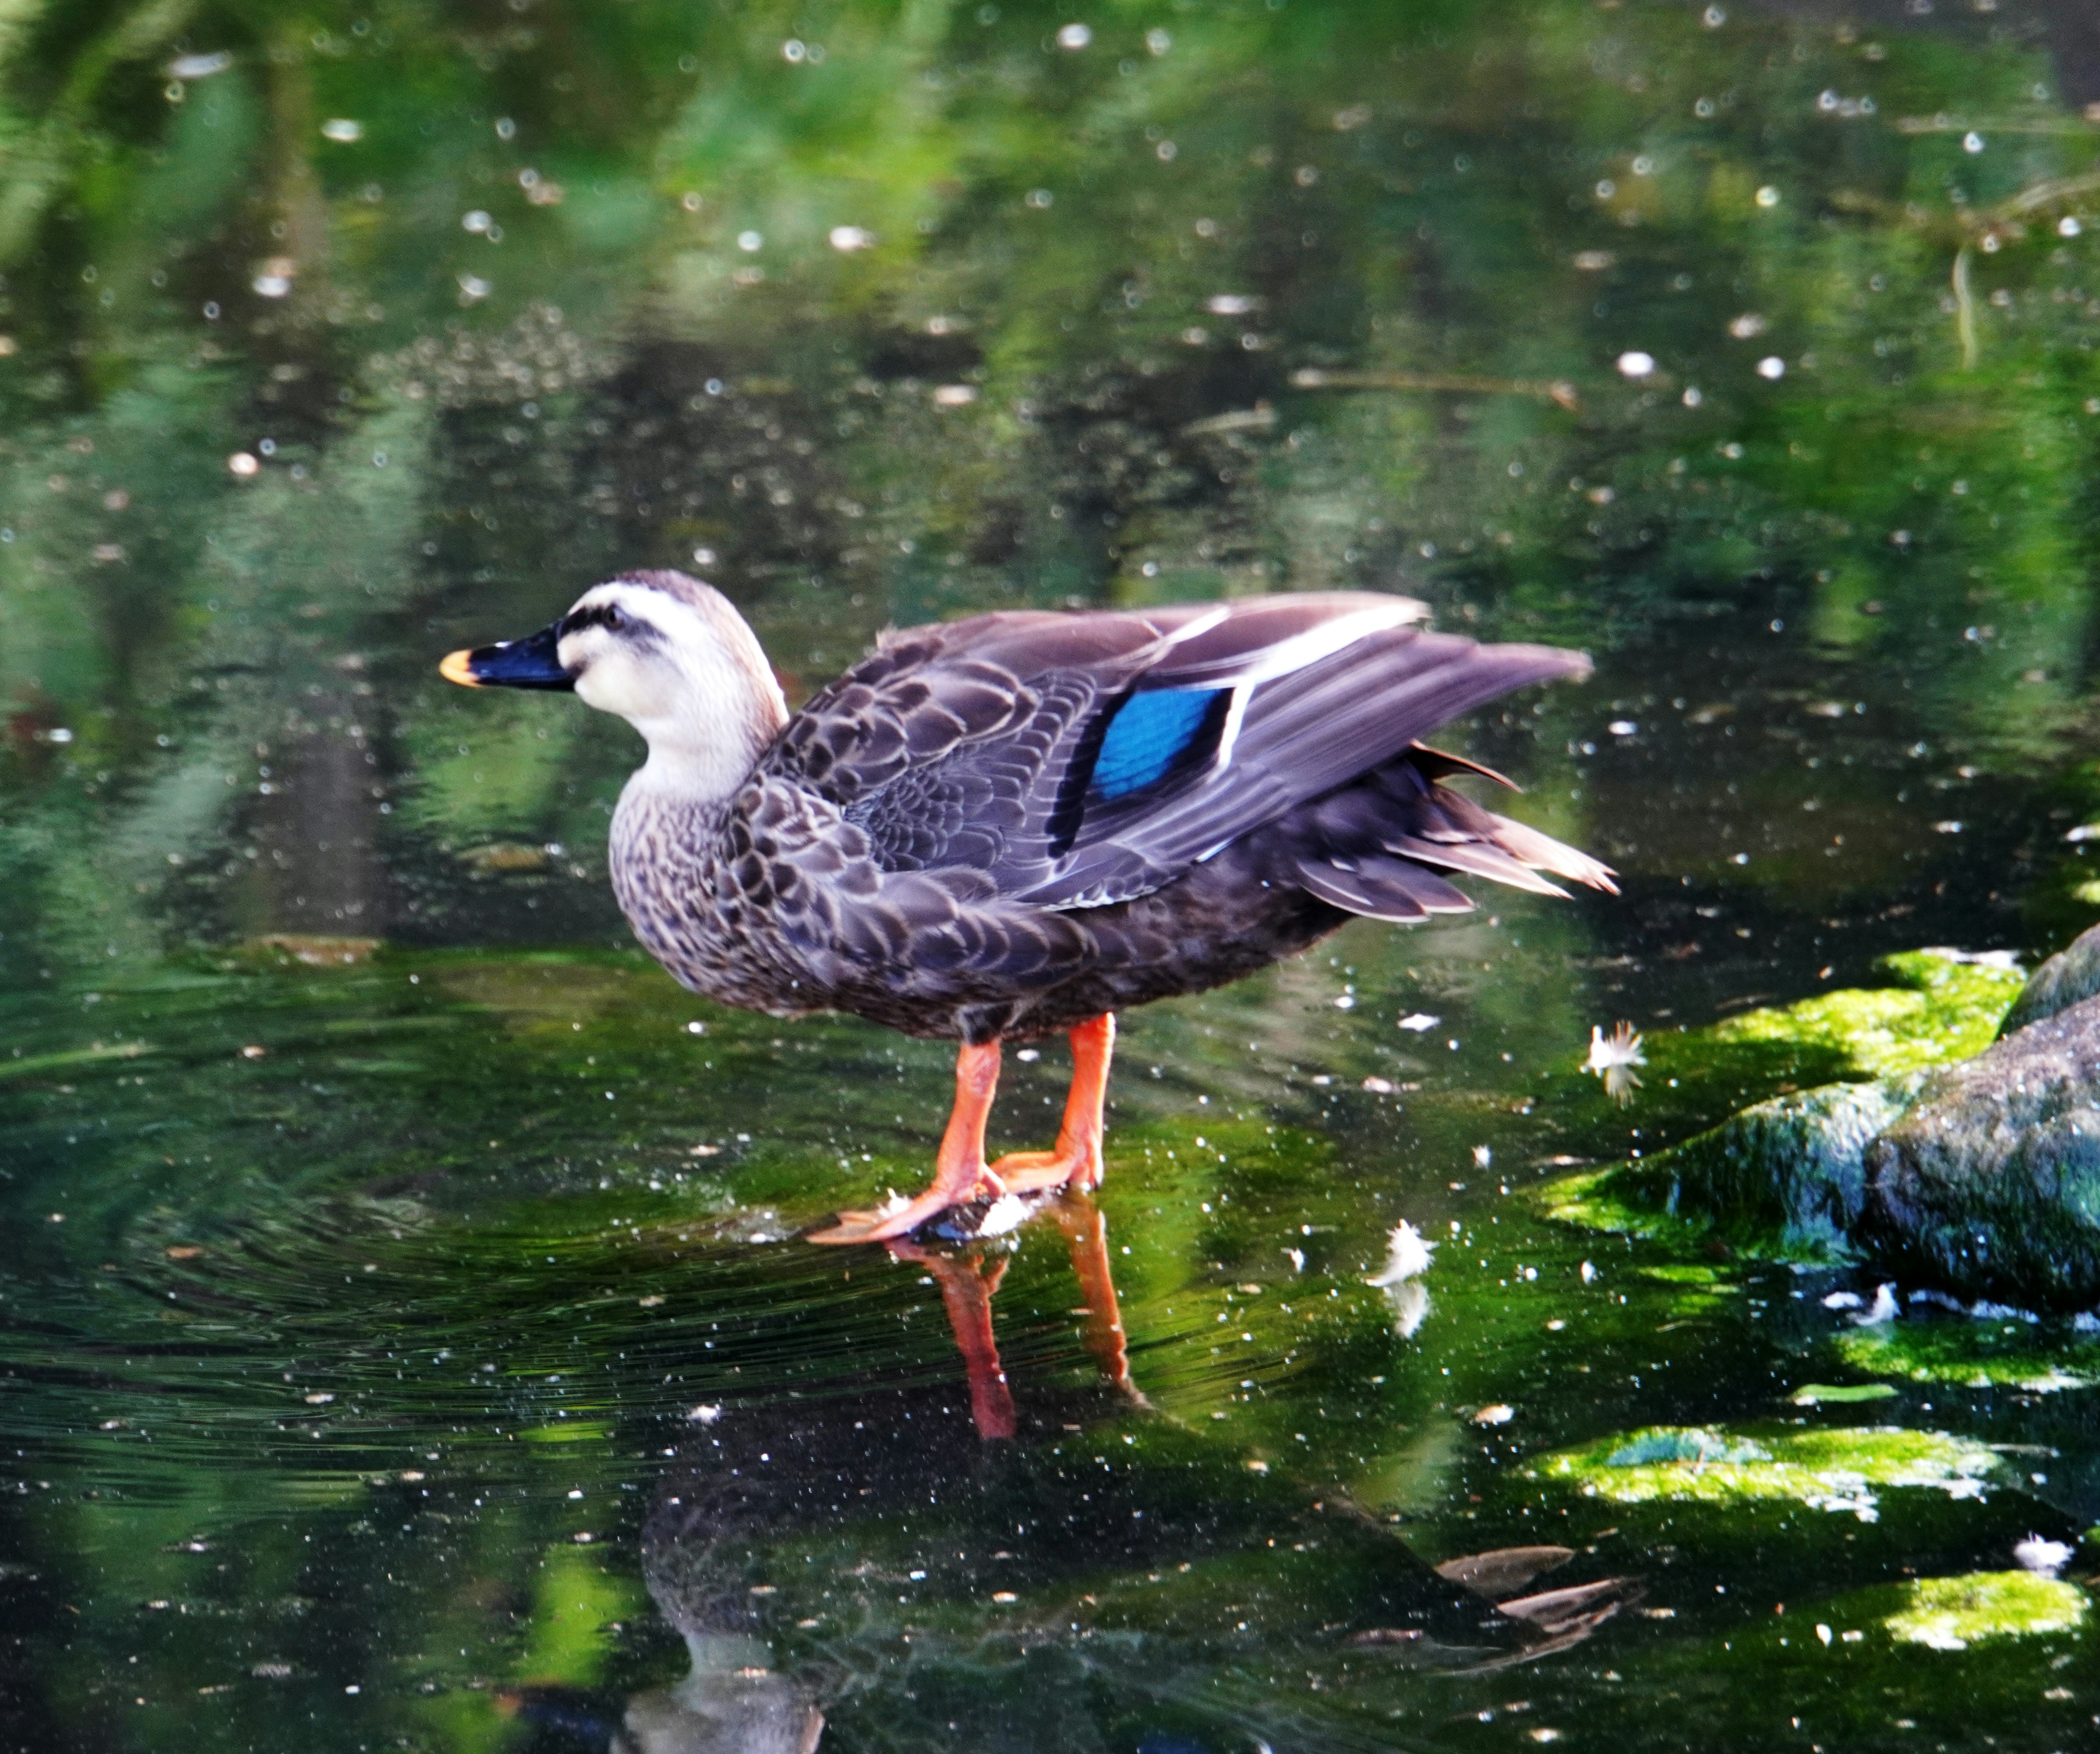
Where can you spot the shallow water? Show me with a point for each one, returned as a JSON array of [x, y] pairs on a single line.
[[404, 1340]]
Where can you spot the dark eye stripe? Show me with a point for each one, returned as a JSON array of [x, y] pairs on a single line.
[[610, 616]]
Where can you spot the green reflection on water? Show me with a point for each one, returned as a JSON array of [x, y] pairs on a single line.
[[368, 1195]]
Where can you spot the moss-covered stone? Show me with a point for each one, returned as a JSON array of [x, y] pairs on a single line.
[[1834, 1470], [1829, 1394], [1989, 1182], [1786, 1178], [2072, 975], [1952, 1613], [1941, 1008], [1973, 1354]]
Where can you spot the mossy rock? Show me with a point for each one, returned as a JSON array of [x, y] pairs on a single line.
[[1834, 1469], [1973, 1354], [1989, 1182], [2071, 976], [1785, 1178], [1941, 1008], [1952, 1613]]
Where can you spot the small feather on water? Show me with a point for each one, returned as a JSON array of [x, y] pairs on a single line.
[[1613, 1058], [1407, 1253]]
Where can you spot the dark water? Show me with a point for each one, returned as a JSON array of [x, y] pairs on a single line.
[[403, 1342]]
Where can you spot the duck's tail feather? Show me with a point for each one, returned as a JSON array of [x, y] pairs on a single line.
[[1369, 848]]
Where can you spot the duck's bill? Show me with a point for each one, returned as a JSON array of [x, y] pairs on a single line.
[[531, 663]]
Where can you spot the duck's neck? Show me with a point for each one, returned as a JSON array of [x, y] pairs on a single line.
[[701, 754]]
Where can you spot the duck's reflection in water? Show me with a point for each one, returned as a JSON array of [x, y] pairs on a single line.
[[937, 1564]]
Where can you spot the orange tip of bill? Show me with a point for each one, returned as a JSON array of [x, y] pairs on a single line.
[[458, 667]]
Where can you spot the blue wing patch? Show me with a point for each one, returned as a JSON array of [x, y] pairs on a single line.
[[1151, 733]]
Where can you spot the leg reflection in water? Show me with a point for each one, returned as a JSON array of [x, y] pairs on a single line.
[[1033, 1569]]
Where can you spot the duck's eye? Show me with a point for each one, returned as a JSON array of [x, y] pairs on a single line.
[[616, 617]]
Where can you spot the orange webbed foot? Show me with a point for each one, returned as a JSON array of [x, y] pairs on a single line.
[[896, 1217], [1030, 1172]]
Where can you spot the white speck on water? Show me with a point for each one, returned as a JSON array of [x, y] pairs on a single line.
[[1589, 1272], [954, 395], [1636, 364], [1972, 142], [1074, 36], [1771, 367], [706, 1415], [2068, 226], [1768, 196], [1419, 1021], [476, 221], [1231, 304], [199, 66], [1747, 327], [1483, 1155], [2047, 1557], [1158, 41], [851, 237], [750, 242], [472, 287], [1622, 728], [342, 129]]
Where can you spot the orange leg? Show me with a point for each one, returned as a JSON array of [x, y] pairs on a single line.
[[1086, 1236], [1077, 1161], [960, 1173], [967, 1288]]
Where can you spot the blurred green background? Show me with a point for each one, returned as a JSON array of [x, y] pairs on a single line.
[[1748, 345]]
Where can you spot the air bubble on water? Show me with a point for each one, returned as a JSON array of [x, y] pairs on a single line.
[[1074, 36], [342, 129]]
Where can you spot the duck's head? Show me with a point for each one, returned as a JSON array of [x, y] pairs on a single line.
[[667, 654]]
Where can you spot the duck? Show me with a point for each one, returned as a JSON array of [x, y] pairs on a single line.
[[1020, 823]]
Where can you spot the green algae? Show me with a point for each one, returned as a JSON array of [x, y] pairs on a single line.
[[1939, 1009], [1973, 1354], [1952, 1613], [1833, 1469], [1784, 1179], [1826, 1394]]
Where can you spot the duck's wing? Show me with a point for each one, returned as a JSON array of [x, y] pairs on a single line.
[[1078, 760]]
